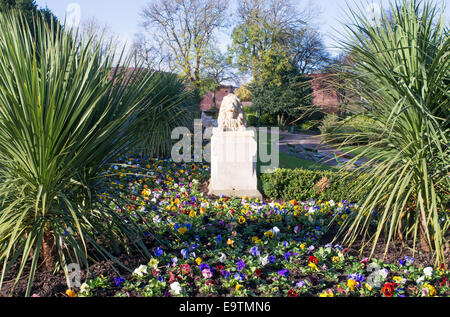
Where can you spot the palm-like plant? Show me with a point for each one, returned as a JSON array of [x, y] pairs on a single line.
[[66, 112], [400, 64], [176, 108]]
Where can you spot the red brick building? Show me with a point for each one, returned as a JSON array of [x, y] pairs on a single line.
[[324, 97], [208, 103]]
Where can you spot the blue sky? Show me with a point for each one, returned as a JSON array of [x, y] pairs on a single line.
[[122, 17]]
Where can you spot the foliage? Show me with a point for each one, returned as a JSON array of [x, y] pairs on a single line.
[[274, 37], [66, 113], [284, 103], [336, 130], [28, 8], [174, 106], [243, 93], [259, 39], [401, 63], [303, 184], [250, 110], [252, 120]]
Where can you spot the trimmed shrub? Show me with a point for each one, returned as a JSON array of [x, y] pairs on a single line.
[[303, 185], [252, 120], [250, 110], [269, 120], [335, 130]]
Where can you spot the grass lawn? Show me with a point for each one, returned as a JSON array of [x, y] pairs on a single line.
[[291, 162]]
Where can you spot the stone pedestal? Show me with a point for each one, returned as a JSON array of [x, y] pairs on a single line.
[[233, 164]]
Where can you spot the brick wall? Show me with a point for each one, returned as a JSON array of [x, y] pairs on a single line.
[[207, 102]]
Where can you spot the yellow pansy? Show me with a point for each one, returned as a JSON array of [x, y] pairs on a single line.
[[313, 266], [328, 293], [71, 293], [153, 263], [430, 290], [352, 283]]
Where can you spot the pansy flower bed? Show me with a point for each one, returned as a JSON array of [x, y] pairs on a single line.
[[241, 247]]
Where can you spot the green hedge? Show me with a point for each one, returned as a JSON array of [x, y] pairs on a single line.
[[337, 130], [300, 184], [252, 120]]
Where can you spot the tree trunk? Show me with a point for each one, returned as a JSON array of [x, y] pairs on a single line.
[[48, 252]]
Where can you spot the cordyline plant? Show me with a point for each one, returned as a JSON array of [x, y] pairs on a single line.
[[400, 69], [66, 111]]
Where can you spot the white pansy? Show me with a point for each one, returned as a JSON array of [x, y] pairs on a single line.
[[140, 271], [383, 273], [176, 288], [275, 230], [264, 260], [420, 280], [428, 271], [222, 258], [311, 210], [332, 203], [84, 288]]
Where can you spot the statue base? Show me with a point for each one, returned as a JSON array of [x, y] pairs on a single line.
[[233, 164]]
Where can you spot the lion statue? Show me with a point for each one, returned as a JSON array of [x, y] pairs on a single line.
[[232, 116]]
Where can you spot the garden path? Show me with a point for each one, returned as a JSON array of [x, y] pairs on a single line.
[[311, 147], [305, 146]]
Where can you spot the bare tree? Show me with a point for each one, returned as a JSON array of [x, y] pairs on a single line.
[[308, 51], [93, 30], [185, 29], [217, 70], [151, 54]]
